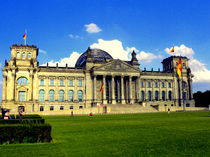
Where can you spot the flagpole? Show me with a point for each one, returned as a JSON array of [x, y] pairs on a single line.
[[26, 36]]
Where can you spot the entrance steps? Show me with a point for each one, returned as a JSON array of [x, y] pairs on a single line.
[[126, 108]]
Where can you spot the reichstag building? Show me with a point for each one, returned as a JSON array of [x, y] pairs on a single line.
[[96, 79]]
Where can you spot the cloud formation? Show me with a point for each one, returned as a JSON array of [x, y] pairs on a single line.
[[92, 28], [42, 51], [114, 48], [75, 36], [199, 70]]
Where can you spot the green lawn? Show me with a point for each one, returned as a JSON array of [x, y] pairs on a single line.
[[149, 134]]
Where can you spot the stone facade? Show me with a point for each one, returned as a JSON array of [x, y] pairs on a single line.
[[33, 88]]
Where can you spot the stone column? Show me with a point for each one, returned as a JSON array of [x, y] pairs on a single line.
[[166, 82], [153, 92], [113, 94], [122, 90], [94, 88], [104, 90], [4, 88], [130, 90]]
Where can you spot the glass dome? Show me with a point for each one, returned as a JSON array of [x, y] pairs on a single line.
[[98, 55]]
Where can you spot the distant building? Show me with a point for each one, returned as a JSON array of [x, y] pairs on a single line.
[[33, 88]]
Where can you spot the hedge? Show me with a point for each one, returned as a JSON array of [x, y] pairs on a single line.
[[24, 133], [30, 116], [22, 121]]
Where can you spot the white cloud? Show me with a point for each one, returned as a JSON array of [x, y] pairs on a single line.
[[92, 28], [181, 50], [71, 60], [75, 36], [199, 70], [147, 57], [0, 65], [42, 51]]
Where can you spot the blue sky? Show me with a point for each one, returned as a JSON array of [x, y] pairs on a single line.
[[63, 29]]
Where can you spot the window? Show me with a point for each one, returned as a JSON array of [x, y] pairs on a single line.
[[169, 85], [61, 82], [22, 96], [163, 84], [80, 83], [24, 55], [41, 95], [71, 83], [51, 82], [149, 84], [61, 107], [156, 95], [51, 108], [71, 107], [80, 107], [71, 95], [29, 55], [80, 96], [156, 84], [41, 108], [22, 81], [149, 95], [51, 95], [142, 95], [170, 95], [18, 54], [42, 82], [142, 84], [61, 95], [163, 96]]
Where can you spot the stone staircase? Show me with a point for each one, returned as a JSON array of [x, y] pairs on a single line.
[[134, 108]]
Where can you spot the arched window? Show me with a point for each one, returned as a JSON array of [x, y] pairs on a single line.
[[29, 55], [170, 95], [18, 54], [61, 95], [142, 96], [41, 95], [169, 85], [149, 95], [156, 95], [24, 55], [51, 95], [163, 95], [71, 95], [22, 81], [80, 96]]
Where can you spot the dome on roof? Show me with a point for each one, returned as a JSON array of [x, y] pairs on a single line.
[[97, 55]]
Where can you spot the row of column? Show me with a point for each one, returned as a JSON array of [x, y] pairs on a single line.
[[121, 93]]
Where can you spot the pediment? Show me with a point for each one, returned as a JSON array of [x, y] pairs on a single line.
[[116, 66]]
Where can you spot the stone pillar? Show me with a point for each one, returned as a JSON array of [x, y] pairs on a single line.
[[104, 90], [153, 92], [4, 88], [113, 94], [130, 90], [122, 90], [94, 88], [166, 90]]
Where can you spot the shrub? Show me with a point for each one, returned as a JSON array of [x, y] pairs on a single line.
[[22, 121], [19, 133]]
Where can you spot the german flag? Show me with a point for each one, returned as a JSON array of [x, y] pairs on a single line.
[[102, 87], [179, 68], [172, 49], [24, 36]]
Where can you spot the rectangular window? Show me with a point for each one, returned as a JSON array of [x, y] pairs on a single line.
[[71, 107], [169, 85], [51, 108], [51, 82], [163, 84], [41, 108], [142, 84], [22, 96], [80, 83], [41, 82], [61, 82], [61, 107], [156, 84], [71, 83]]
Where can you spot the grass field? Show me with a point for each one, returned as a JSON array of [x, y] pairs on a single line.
[[149, 134]]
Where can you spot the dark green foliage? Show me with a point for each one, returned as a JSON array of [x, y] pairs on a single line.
[[202, 99], [25, 133], [31, 116], [22, 121]]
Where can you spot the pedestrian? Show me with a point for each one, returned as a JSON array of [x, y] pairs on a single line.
[[168, 110]]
